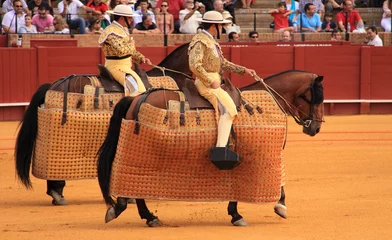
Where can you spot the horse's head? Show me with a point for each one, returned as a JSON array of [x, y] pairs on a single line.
[[310, 107]]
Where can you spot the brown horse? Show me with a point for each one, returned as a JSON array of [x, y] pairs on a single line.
[[25, 142], [299, 93]]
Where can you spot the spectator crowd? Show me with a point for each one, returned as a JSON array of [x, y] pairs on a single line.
[[180, 16]]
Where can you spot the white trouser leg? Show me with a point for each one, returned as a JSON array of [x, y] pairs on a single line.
[[224, 128]]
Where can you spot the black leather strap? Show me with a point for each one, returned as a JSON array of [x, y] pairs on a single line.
[[96, 97], [65, 99]]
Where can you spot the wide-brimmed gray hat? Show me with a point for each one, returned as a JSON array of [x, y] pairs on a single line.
[[122, 10], [213, 17]]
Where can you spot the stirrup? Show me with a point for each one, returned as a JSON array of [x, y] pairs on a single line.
[[223, 158]]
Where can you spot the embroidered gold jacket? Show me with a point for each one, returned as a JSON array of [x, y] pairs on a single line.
[[115, 42], [206, 59]]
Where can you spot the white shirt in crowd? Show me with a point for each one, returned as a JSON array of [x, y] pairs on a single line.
[[9, 20], [376, 42], [9, 6], [71, 9], [190, 25]]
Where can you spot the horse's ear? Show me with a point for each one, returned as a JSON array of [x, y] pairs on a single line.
[[319, 79]]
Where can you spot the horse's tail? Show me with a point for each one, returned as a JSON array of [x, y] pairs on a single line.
[[25, 141], [108, 149]]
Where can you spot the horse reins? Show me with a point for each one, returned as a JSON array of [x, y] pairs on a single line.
[[163, 69]]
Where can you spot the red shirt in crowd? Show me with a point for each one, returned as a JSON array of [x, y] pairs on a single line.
[[353, 18], [174, 7], [280, 21], [102, 7]]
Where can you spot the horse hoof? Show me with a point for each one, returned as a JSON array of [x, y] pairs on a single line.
[[154, 223], [280, 209], [240, 223], [58, 200], [131, 201], [110, 215]]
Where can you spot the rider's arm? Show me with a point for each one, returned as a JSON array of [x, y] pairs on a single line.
[[196, 55], [231, 67]]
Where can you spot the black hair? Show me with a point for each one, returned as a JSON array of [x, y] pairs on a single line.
[[206, 26], [43, 7], [145, 16], [253, 32], [335, 31], [281, 4], [373, 28], [307, 6], [231, 35]]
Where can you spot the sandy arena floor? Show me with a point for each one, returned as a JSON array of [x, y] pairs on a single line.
[[339, 186]]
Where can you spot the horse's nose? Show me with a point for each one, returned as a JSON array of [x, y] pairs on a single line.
[[317, 130]]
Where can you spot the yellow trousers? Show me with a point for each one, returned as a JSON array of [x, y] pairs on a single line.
[[120, 68]]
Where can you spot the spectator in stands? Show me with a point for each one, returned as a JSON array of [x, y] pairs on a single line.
[[310, 20], [113, 4], [218, 6], [330, 5], [293, 17], [60, 26], [233, 37], [286, 36], [230, 27], [246, 3], [142, 11], [11, 23], [208, 4], [386, 17], [348, 15], [319, 7], [35, 4], [253, 36], [8, 6], [137, 5], [119, 49], [146, 26], [100, 8], [228, 5], [28, 27], [69, 10], [281, 18], [175, 7], [336, 35], [43, 21], [94, 26], [328, 25], [372, 37], [164, 18], [189, 16]]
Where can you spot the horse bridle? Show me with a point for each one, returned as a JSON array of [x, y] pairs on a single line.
[[303, 122], [308, 121]]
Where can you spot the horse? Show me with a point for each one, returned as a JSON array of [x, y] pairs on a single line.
[[299, 93], [28, 127]]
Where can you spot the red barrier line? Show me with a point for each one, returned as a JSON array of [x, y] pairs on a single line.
[[363, 132], [342, 140]]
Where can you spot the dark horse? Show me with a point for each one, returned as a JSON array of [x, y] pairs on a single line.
[[299, 93], [25, 142]]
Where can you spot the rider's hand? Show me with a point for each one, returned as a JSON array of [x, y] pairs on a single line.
[[215, 85], [251, 72], [146, 60]]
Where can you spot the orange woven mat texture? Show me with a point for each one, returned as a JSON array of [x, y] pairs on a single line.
[[169, 161]]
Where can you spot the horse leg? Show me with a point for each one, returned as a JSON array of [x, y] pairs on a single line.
[[280, 207], [236, 218], [151, 219], [115, 211], [55, 190]]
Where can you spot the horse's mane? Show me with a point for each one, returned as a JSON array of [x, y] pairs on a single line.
[[170, 56]]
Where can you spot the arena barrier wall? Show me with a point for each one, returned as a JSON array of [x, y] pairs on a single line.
[[357, 78]]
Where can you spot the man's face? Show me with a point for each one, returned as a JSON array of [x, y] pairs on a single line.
[[218, 5], [281, 9], [337, 36], [371, 35], [236, 38], [312, 10], [189, 4], [37, 2], [348, 6], [143, 5], [254, 37], [18, 7], [42, 14], [148, 21], [286, 36]]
